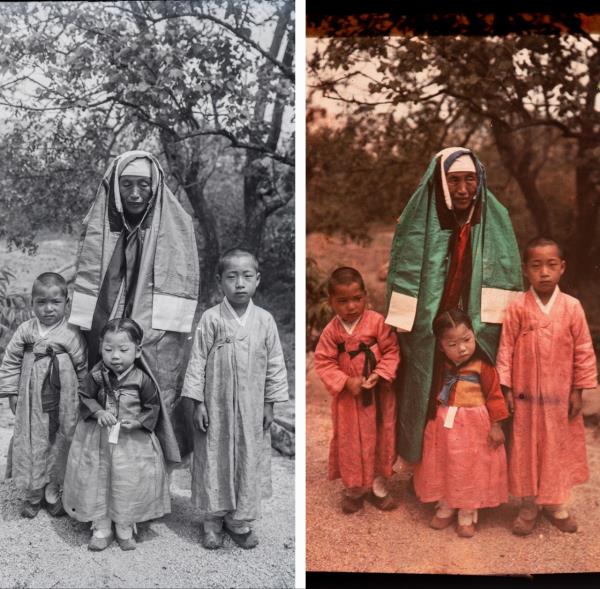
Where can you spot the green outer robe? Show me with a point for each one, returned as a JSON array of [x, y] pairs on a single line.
[[418, 268]]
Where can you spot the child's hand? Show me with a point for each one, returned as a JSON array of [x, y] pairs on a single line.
[[129, 424], [267, 416], [496, 437], [12, 403], [105, 418], [510, 400], [354, 384], [201, 417], [575, 403], [371, 382]]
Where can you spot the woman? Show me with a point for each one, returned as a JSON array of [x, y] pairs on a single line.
[[138, 259], [454, 246]]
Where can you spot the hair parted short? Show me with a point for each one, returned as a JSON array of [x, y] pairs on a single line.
[[448, 320], [234, 252], [345, 275], [541, 241], [124, 325], [48, 279]]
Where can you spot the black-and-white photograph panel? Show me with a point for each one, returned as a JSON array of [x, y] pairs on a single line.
[[147, 294], [453, 316]]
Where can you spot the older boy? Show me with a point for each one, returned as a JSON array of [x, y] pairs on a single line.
[[235, 374], [545, 359]]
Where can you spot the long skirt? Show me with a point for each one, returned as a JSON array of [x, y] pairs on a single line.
[[459, 466], [125, 482]]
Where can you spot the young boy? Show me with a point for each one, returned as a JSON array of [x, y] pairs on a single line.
[[356, 358], [40, 374], [545, 359], [235, 374]]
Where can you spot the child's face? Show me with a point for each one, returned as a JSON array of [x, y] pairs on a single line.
[[49, 304], [239, 280], [136, 192], [348, 301], [119, 351], [544, 268], [458, 343]]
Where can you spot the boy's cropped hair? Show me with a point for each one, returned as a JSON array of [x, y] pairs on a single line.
[[234, 252], [344, 275], [541, 241], [48, 279]]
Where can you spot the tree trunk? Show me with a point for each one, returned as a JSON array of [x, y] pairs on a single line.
[[519, 162], [257, 177], [587, 198], [186, 168]]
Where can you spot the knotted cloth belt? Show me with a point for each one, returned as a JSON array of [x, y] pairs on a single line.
[[368, 367], [50, 389], [450, 380]]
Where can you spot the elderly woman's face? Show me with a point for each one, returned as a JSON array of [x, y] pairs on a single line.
[[136, 192], [463, 188]]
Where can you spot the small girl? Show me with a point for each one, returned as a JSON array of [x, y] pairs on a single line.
[[464, 461], [356, 358], [116, 469]]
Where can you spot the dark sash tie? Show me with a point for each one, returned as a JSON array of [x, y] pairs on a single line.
[[51, 391], [450, 380], [124, 265], [368, 367]]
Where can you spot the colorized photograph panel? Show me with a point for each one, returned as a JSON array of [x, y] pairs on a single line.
[[453, 322]]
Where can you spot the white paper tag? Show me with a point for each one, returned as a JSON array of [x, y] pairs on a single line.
[[113, 435], [449, 421]]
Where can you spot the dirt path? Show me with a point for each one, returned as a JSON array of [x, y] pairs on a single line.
[[49, 552], [401, 541]]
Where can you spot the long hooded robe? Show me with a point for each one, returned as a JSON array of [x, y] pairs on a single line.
[[542, 357], [234, 369], [148, 272], [434, 260], [36, 460]]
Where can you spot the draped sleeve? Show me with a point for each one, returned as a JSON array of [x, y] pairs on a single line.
[[276, 387]]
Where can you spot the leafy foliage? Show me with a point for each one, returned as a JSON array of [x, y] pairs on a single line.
[[14, 309], [194, 82], [522, 93], [318, 311]]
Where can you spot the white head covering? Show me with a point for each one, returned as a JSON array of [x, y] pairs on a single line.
[[138, 167], [464, 163]]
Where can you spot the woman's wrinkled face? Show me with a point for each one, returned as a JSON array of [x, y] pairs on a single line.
[[462, 187], [136, 192]]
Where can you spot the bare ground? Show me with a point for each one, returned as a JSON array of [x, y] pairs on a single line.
[[52, 552], [401, 541], [49, 552]]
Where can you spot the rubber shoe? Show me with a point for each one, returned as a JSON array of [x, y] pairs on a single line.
[[387, 503], [523, 526], [127, 543], [247, 540], [567, 524], [351, 504], [97, 544], [55, 509], [466, 531], [30, 510], [441, 523], [212, 540]]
